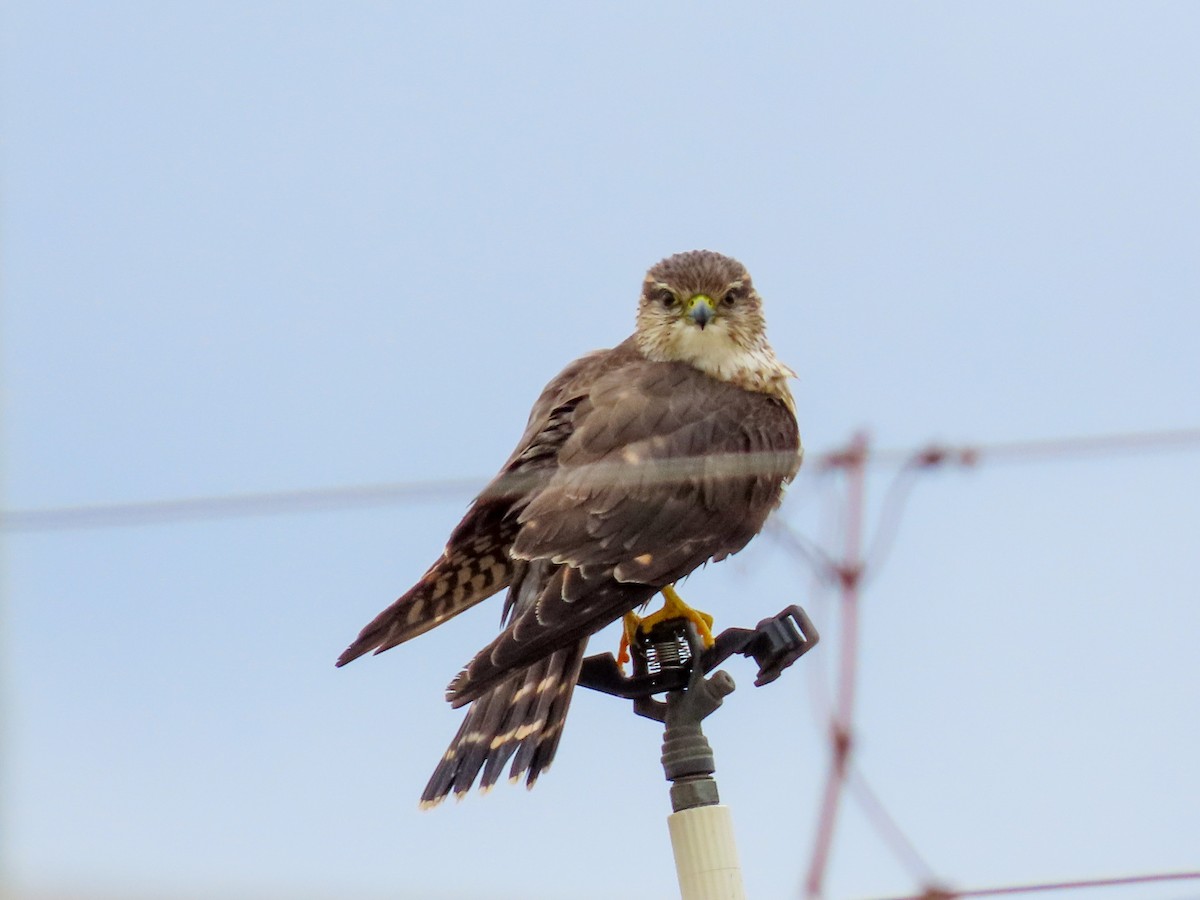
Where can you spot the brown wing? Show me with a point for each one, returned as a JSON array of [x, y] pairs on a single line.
[[476, 562], [664, 469]]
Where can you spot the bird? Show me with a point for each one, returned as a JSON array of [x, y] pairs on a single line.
[[638, 465]]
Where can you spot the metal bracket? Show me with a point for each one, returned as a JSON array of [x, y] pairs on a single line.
[[663, 656]]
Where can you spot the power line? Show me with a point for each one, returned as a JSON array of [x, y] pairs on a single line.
[[332, 499], [232, 506], [889, 831], [1034, 450], [941, 893]]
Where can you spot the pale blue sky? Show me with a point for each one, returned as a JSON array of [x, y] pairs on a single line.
[[254, 247]]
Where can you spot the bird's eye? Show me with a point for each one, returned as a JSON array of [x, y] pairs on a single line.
[[730, 298], [667, 299]]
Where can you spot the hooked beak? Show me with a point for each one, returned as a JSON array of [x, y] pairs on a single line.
[[701, 309]]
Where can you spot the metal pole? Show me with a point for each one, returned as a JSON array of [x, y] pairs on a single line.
[[849, 572]]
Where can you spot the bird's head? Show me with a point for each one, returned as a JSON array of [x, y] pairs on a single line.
[[701, 308]]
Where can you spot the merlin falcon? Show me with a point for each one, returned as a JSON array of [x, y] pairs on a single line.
[[638, 465]]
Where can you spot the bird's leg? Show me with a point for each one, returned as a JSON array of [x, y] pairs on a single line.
[[673, 608]]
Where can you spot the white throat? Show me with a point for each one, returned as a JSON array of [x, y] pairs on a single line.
[[713, 351]]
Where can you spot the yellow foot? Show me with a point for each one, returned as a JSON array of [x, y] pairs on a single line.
[[629, 627], [673, 608]]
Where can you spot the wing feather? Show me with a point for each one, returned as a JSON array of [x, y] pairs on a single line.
[[630, 474], [653, 460], [649, 485]]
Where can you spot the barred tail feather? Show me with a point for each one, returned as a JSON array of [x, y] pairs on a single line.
[[523, 715], [454, 583]]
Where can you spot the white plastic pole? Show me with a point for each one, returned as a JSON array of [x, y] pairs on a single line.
[[706, 859]]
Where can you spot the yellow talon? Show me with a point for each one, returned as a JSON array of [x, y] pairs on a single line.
[[673, 608], [629, 627]]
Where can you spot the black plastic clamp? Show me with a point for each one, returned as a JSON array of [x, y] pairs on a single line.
[[663, 656]]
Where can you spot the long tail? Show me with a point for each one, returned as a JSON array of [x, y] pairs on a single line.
[[522, 715], [467, 573], [545, 617]]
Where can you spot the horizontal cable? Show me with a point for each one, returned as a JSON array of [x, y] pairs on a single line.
[[1045, 448], [606, 474], [232, 506], [942, 893]]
